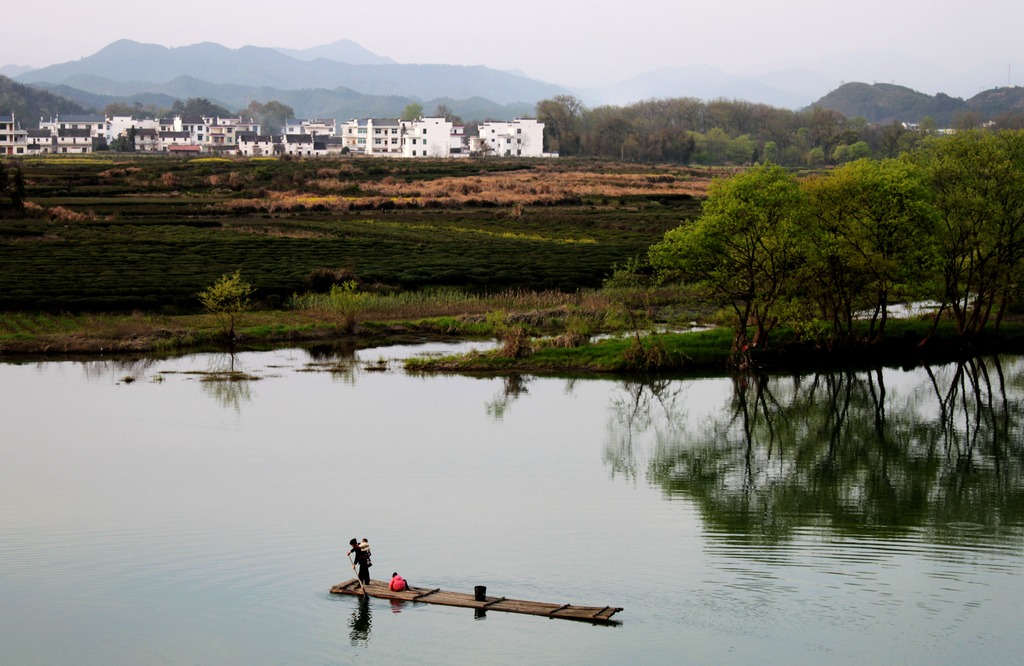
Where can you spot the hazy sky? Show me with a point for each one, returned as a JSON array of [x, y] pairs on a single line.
[[569, 42]]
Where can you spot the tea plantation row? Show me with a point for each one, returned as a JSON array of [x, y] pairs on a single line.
[[83, 246]]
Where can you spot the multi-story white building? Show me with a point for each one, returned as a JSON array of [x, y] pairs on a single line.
[[41, 142], [120, 126], [13, 139], [223, 132], [523, 137], [313, 126], [73, 141], [373, 136], [427, 137], [147, 140], [169, 138], [197, 128], [96, 125], [457, 144]]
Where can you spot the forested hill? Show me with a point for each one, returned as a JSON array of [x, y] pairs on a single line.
[[884, 103], [29, 104]]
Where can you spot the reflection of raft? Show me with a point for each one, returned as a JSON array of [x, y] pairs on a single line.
[[376, 588]]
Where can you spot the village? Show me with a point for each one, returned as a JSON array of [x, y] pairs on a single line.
[[313, 137]]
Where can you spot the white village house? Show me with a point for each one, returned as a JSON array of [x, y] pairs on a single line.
[[523, 137], [316, 137], [372, 136], [320, 127], [13, 140]]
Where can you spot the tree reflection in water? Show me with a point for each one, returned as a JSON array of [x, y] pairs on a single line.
[[839, 449], [644, 405], [227, 382], [513, 388]]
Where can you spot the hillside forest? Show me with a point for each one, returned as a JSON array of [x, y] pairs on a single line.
[[735, 132]]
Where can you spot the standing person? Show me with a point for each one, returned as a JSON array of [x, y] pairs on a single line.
[[362, 559]]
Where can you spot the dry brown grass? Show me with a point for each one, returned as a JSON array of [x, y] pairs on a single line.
[[542, 186], [62, 214], [118, 173]]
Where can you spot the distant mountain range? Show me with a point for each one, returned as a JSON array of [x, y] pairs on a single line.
[[788, 88], [885, 103], [344, 80], [343, 50], [139, 67], [339, 103]]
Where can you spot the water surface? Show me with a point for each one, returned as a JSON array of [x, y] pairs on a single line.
[[150, 515]]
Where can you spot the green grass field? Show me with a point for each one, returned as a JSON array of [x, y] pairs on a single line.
[[148, 233]]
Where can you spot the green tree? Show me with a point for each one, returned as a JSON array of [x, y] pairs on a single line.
[[271, 116], [135, 110], [199, 106], [125, 143], [978, 181], [744, 249], [227, 298], [874, 229], [346, 300], [717, 143], [562, 117], [841, 154], [740, 150], [816, 156], [859, 150], [412, 111], [445, 111]]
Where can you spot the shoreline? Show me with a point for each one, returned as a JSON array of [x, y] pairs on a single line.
[[686, 353]]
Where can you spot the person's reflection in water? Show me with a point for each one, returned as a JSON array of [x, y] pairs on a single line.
[[397, 605], [360, 623]]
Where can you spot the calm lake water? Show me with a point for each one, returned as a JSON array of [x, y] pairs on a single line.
[[847, 518]]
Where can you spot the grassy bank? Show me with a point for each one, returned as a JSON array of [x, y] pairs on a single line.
[[562, 338], [369, 319], [909, 343]]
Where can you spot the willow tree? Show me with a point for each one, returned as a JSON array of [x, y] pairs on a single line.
[[744, 249], [978, 184], [872, 244]]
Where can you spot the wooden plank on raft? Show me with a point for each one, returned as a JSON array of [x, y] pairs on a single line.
[[380, 589], [424, 594]]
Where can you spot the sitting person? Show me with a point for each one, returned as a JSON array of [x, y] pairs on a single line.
[[398, 583]]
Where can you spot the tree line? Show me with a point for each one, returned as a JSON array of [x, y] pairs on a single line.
[[944, 222], [721, 132]]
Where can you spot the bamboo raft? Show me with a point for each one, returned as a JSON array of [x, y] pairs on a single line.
[[426, 595]]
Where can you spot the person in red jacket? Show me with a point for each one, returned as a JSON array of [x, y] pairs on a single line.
[[398, 583]]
